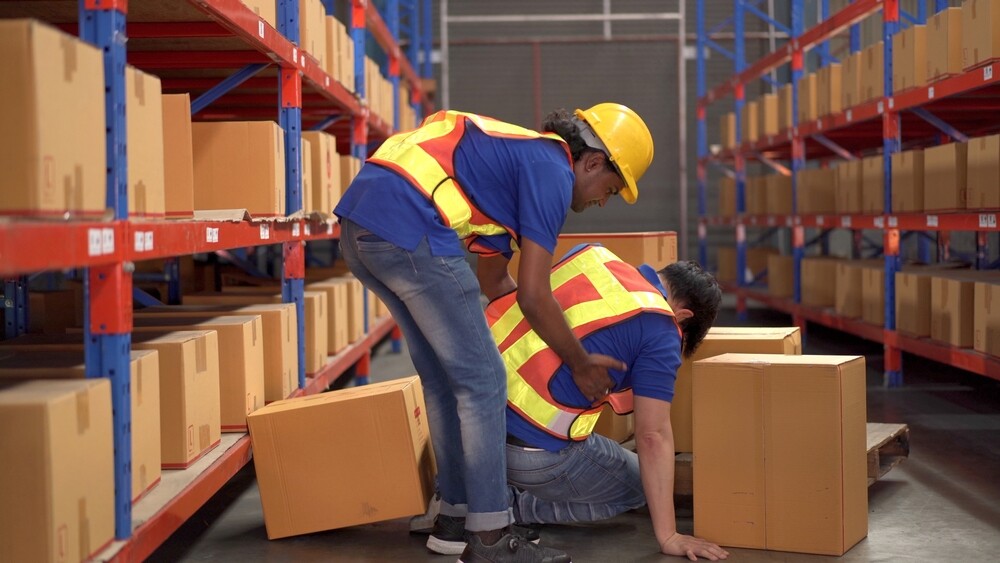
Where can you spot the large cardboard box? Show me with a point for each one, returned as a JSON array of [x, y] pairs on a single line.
[[618, 427], [56, 86], [727, 130], [873, 294], [241, 360], [279, 324], [178, 157], [908, 181], [312, 29], [754, 415], [778, 188], [829, 86], [338, 321], [375, 458], [52, 312], [60, 356], [819, 281], [755, 195], [785, 107], [780, 275], [331, 61], [944, 44], [807, 98], [986, 318], [946, 177], [722, 340], [751, 122], [144, 130], [913, 303], [727, 197], [909, 56], [847, 191], [816, 190], [768, 115], [872, 72], [725, 264], [267, 10], [315, 307], [980, 32], [349, 168], [307, 175], [239, 165], [952, 309], [189, 393], [873, 184], [756, 263], [323, 154], [847, 302], [984, 173], [58, 479], [850, 93]]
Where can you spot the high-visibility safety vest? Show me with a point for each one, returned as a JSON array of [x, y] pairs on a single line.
[[425, 157], [595, 289]]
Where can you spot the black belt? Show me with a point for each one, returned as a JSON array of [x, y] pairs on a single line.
[[515, 441]]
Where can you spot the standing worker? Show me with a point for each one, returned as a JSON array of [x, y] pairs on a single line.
[[497, 188]]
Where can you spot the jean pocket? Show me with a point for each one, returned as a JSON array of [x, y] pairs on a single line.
[[369, 242]]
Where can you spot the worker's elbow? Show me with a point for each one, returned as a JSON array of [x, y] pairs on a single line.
[[654, 441]]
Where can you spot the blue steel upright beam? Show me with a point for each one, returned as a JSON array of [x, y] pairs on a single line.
[[290, 119], [15, 307], [359, 138], [426, 39], [740, 161], [824, 47], [940, 5], [891, 244], [108, 288], [702, 131], [855, 36], [392, 22], [798, 153]]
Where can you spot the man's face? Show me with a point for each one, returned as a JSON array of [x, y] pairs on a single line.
[[595, 183]]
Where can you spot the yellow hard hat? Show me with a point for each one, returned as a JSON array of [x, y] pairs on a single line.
[[627, 140]]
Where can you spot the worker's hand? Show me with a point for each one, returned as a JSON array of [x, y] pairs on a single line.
[[592, 376], [692, 548]]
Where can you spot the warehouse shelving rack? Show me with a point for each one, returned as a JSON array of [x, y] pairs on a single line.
[[951, 107], [218, 36]]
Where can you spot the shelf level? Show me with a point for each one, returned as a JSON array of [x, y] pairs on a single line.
[[979, 221]]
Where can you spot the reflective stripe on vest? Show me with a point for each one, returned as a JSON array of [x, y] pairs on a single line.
[[426, 158], [595, 289]]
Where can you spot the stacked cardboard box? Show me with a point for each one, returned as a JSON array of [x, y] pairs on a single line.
[[305, 148], [909, 56], [751, 122], [312, 30], [908, 181], [946, 174], [768, 115], [986, 317], [872, 73], [239, 164], [981, 32], [983, 177], [144, 130], [727, 130], [349, 168], [755, 195], [953, 297], [780, 275], [873, 184], [816, 190], [727, 197], [756, 259], [850, 93], [178, 157], [848, 188], [819, 277], [785, 107], [847, 302], [778, 189], [266, 10], [808, 89], [829, 88], [52, 312], [873, 294], [944, 44], [325, 168]]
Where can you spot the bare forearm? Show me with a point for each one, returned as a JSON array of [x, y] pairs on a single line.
[[656, 466]]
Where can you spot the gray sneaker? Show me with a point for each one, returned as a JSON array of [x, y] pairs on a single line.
[[449, 536], [511, 548]]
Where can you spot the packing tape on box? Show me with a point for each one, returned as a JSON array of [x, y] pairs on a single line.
[[204, 437], [68, 45], [140, 88], [201, 354], [84, 529], [82, 411], [138, 383]]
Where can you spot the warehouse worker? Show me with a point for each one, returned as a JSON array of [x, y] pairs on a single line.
[[559, 470], [464, 180]]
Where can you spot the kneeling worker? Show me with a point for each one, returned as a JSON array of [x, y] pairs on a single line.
[[559, 470]]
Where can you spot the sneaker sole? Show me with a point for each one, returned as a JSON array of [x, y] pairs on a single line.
[[445, 547]]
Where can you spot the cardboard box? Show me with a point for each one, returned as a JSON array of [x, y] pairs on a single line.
[[817, 274], [727, 197], [279, 325], [60, 356], [339, 311], [754, 415], [946, 174], [315, 316], [751, 122], [265, 9], [349, 168], [944, 44], [727, 130], [847, 302], [722, 340], [850, 89], [189, 393], [59, 496], [984, 173], [872, 72], [913, 303], [785, 107], [332, 58], [756, 263], [323, 153], [981, 32], [816, 189], [778, 189], [768, 115], [829, 87], [952, 309], [239, 164], [725, 264], [144, 130], [755, 195], [780, 275], [908, 181], [873, 295], [618, 427], [312, 29], [873, 184], [52, 312], [986, 318], [909, 56], [178, 157], [241, 360], [808, 110], [376, 459], [847, 191], [308, 205], [59, 88]]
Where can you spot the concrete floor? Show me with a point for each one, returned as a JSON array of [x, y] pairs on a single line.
[[943, 503]]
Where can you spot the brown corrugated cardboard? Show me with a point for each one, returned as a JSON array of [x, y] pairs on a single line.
[[65, 512], [909, 53], [847, 196], [723, 340], [53, 171], [952, 309], [241, 360], [816, 189], [751, 121], [725, 264], [727, 197], [784, 107], [754, 415], [873, 295], [755, 192], [178, 157], [144, 130], [984, 172], [349, 167], [727, 130], [618, 427], [980, 32], [280, 338], [873, 184], [332, 58], [239, 165], [986, 318], [872, 72], [807, 98], [908, 181], [315, 317], [913, 303], [375, 458], [323, 154], [944, 44], [60, 356], [946, 176], [848, 299], [52, 312], [817, 275], [312, 29], [266, 9], [307, 176], [779, 194], [850, 93], [829, 86], [780, 275], [768, 115]]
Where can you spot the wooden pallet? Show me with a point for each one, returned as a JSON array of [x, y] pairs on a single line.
[[888, 444]]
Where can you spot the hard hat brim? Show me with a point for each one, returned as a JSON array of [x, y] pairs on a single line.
[[630, 192]]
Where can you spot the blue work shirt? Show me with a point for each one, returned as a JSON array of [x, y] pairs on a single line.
[[524, 184], [648, 343]]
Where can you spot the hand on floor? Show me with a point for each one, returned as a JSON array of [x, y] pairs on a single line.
[[692, 548]]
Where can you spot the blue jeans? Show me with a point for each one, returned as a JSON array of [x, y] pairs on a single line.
[[585, 481], [435, 302]]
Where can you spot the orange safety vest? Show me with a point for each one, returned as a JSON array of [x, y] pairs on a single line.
[[426, 158], [595, 289]]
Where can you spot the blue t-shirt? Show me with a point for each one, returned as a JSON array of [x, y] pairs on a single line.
[[524, 184], [648, 343]]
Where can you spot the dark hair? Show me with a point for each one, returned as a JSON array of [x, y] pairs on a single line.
[[698, 291], [561, 123]]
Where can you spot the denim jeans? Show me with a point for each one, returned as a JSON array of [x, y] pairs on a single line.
[[435, 302], [585, 481]]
